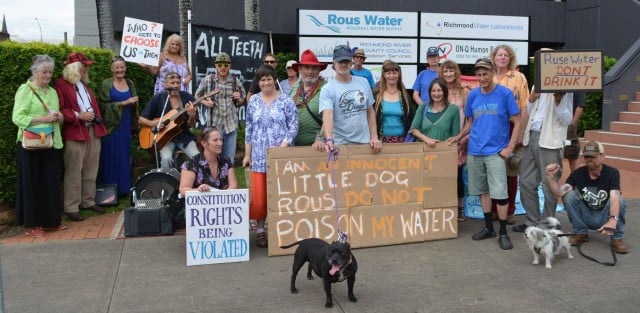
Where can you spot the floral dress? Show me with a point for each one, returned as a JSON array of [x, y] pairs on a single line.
[[200, 166]]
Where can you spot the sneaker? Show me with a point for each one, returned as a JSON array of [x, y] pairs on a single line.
[[505, 242], [485, 233], [520, 228], [619, 246], [578, 239]]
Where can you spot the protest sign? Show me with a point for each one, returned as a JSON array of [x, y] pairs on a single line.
[[406, 193], [141, 41], [569, 70], [217, 226]]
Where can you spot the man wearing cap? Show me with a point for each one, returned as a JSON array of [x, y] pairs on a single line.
[[292, 77], [489, 110], [346, 104], [358, 69], [306, 95], [548, 115], [81, 132], [221, 110], [592, 197], [421, 85]]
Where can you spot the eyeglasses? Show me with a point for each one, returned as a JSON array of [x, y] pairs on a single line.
[[269, 62], [222, 64]]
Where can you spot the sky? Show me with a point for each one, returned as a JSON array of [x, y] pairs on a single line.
[[55, 17]]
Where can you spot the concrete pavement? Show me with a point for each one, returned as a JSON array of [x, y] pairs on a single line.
[[459, 275]]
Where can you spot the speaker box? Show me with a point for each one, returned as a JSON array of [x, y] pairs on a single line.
[[148, 221], [107, 194]]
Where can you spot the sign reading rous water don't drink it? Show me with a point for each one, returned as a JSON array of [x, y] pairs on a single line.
[[406, 193], [568, 70]]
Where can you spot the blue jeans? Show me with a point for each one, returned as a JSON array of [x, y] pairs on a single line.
[[584, 218], [229, 144]]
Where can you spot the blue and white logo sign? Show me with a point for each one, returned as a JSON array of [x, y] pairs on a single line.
[[357, 23], [468, 26]]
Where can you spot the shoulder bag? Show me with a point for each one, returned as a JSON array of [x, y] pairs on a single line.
[[36, 138]]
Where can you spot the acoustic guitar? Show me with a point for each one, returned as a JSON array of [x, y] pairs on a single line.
[[172, 122]]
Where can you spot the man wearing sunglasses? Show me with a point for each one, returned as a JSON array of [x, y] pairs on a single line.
[[592, 197], [221, 110], [271, 60], [489, 110]]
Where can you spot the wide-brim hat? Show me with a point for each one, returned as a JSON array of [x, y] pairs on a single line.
[[310, 59], [74, 57]]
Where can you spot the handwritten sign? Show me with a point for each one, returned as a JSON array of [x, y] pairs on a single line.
[[575, 70], [217, 226], [141, 41], [407, 193]]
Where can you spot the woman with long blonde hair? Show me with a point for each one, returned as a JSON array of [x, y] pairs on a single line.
[[172, 59]]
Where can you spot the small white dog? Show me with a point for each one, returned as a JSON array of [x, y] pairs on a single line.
[[544, 241]]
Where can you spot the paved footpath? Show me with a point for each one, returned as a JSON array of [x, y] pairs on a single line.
[[459, 275]]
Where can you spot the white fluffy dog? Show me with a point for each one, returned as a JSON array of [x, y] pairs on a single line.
[[544, 241]]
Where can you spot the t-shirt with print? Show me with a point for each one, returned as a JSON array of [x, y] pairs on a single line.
[[490, 113], [595, 192], [349, 102]]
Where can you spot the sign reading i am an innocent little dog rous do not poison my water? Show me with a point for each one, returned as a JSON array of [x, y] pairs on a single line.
[[217, 226]]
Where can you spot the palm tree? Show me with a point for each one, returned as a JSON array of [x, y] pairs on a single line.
[[252, 14], [184, 6], [105, 24]]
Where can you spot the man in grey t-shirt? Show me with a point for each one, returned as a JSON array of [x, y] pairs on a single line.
[[346, 105]]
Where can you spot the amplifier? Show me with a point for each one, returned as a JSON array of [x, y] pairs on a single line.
[[148, 221]]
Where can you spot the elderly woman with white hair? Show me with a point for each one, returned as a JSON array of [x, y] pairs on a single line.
[[36, 107], [82, 130]]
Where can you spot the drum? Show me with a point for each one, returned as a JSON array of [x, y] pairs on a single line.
[[160, 184]]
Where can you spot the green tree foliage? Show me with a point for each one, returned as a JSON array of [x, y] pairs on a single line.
[[16, 59]]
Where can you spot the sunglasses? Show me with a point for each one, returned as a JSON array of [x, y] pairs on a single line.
[[206, 131], [269, 62], [222, 64], [588, 157]]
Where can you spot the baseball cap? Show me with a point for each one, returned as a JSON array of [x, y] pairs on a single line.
[[78, 57], [592, 149], [341, 53], [223, 57], [483, 63], [290, 63], [432, 52]]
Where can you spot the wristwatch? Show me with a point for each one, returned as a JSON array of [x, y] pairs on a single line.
[[613, 217]]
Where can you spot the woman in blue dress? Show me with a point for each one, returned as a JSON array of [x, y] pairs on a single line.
[[118, 102]]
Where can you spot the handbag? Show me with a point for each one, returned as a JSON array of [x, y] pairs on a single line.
[[36, 138]]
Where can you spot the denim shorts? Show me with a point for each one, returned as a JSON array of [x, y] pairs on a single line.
[[487, 174]]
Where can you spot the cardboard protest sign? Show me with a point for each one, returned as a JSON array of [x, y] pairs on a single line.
[[569, 70], [217, 226], [406, 193], [141, 41]]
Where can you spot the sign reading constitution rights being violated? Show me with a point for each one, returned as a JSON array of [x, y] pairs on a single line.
[[569, 70], [217, 225], [406, 193]]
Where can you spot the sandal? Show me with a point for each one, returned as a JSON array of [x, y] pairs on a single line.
[[261, 240], [59, 227], [461, 217], [35, 232]]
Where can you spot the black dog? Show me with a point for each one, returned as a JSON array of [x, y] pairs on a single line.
[[333, 262]]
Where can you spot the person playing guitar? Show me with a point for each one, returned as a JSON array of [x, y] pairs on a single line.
[[180, 105]]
